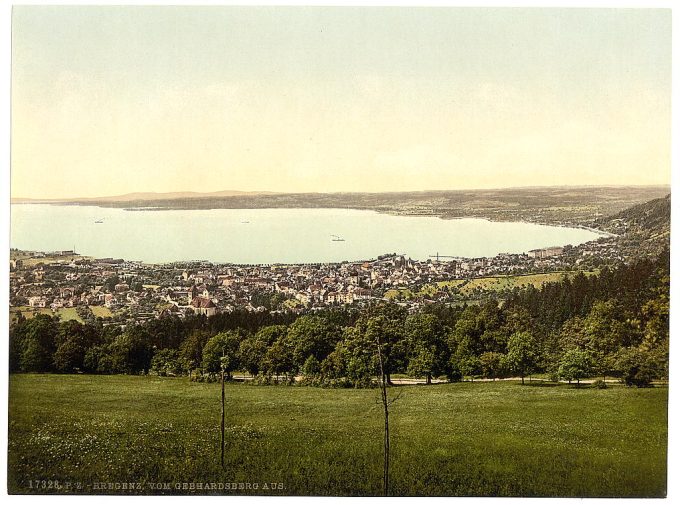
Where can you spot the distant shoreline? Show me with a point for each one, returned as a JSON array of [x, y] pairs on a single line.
[[567, 206], [600, 232], [149, 196]]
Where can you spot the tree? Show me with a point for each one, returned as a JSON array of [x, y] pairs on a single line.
[[34, 357], [276, 357], [191, 348], [469, 365], [516, 319], [465, 337], [224, 364], [73, 340], [131, 352], [93, 357], [251, 354], [386, 411], [166, 362], [334, 366], [572, 334], [311, 367], [605, 328], [269, 334], [454, 374], [384, 321], [16, 345], [69, 356], [656, 319], [355, 356], [639, 367], [448, 315], [601, 333], [110, 283], [167, 332], [386, 402], [491, 321], [575, 365], [426, 342], [38, 344], [312, 336], [491, 364], [278, 360], [223, 345], [423, 363], [521, 356]]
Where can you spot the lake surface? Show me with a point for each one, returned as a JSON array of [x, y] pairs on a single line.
[[270, 235]]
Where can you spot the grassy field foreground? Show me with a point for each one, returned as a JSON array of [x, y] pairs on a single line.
[[466, 439]]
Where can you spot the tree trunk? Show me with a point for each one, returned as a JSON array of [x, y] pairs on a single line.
[[522, 380], [222, 424], [386, 443], [386, 438], [429, 379]]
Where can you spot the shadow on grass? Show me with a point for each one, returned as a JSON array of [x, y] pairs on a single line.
[[542, 384]]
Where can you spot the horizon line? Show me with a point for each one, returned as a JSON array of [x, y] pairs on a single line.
[[226, 192]]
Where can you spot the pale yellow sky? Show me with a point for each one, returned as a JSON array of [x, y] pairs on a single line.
[[112, 100]]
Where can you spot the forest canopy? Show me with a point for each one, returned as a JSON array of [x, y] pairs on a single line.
[[614, 324]]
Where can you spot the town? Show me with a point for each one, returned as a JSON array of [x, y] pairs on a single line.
[[121, 292]]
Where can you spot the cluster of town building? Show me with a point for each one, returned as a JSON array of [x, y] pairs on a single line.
[[134, 290]]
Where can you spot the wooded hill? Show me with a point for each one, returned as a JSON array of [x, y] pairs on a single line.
[[643, 230], [651, 218]]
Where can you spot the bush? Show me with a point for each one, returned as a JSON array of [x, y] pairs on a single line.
[[267, 379], [261, 380], [454, 374], [599, 384], [165, 362], [637, 367], [641, 379], [202, 376], [311, 367]]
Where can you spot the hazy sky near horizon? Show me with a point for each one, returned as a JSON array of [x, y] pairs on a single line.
[[109, 100]]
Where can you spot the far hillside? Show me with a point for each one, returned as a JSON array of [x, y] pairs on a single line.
[[653, 217], [643, 230], [549, 205]]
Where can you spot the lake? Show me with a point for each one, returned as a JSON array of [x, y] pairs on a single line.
[[270, 235]]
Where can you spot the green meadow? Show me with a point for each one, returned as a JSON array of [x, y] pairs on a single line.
[[69, 433], [64, 313], [497, 283]]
